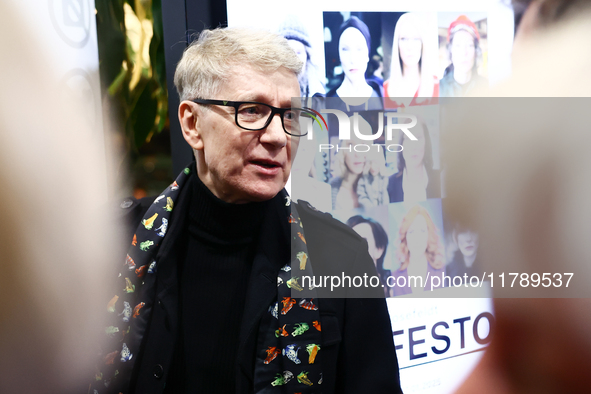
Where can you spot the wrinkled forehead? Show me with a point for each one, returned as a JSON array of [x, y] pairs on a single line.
[[250, 82]]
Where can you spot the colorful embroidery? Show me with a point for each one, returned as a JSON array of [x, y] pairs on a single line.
[[291, 352], [141, 271], [312, 350], [129, 287], [144, 246], [163, 227], [281, 332], [288, 303], [303, 378], [130, 263], [111, 304], [300, 328], [136, 310], [293, 284], [149, 223], [309, 305], [280, 380], [303, 258], [272, 353], [125, 354], [275, 342]]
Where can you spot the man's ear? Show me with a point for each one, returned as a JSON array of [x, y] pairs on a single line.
[[188, 118]]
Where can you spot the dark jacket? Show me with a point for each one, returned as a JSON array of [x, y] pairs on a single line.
[[358, 354]]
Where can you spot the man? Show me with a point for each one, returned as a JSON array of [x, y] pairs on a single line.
[[214, 260]]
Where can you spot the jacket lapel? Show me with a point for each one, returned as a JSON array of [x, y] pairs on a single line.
[[273, 252]]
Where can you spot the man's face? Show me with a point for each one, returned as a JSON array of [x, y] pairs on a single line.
[[239, 165]]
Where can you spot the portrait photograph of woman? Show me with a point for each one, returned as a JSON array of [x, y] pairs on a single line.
[[462, 244], [412, 77], [416, 179], [463, 53], [359, 177], [348, 49], [347, 169], [376, 236], [420, 252]]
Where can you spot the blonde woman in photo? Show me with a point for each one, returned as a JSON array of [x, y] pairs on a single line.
[[420, 251], [411, 79]]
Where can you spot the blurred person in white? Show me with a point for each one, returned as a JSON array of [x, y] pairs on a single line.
[[52, 237], [539, 221]]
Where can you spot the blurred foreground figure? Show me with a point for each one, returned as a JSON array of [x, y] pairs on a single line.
[[52, 238], [526, 190]]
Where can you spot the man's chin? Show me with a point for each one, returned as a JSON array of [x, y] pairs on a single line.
[[260, 193]]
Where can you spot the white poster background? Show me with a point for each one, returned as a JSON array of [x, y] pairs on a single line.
[[431, 374]]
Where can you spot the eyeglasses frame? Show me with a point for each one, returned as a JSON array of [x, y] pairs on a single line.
[[237, 104]]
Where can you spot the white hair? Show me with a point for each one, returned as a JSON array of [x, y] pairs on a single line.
[[208, 61]]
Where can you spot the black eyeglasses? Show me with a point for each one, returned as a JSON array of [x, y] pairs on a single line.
[[253, 116]]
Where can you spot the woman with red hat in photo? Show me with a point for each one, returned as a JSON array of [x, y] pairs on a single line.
[[463, 45]]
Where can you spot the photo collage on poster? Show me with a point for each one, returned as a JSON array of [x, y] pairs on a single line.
[[380, 68]]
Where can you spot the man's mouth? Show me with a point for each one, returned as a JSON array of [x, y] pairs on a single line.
[[266, 163]]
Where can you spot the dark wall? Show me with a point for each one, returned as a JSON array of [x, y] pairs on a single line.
[[182, 20]]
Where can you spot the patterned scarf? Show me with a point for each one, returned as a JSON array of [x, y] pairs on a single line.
[[287, 359]]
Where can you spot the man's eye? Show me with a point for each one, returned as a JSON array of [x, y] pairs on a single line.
[[250, 110]]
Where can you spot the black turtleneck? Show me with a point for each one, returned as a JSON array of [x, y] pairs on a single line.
[[220, 248]]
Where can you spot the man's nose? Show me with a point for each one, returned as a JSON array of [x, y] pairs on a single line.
[[274, 134]]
